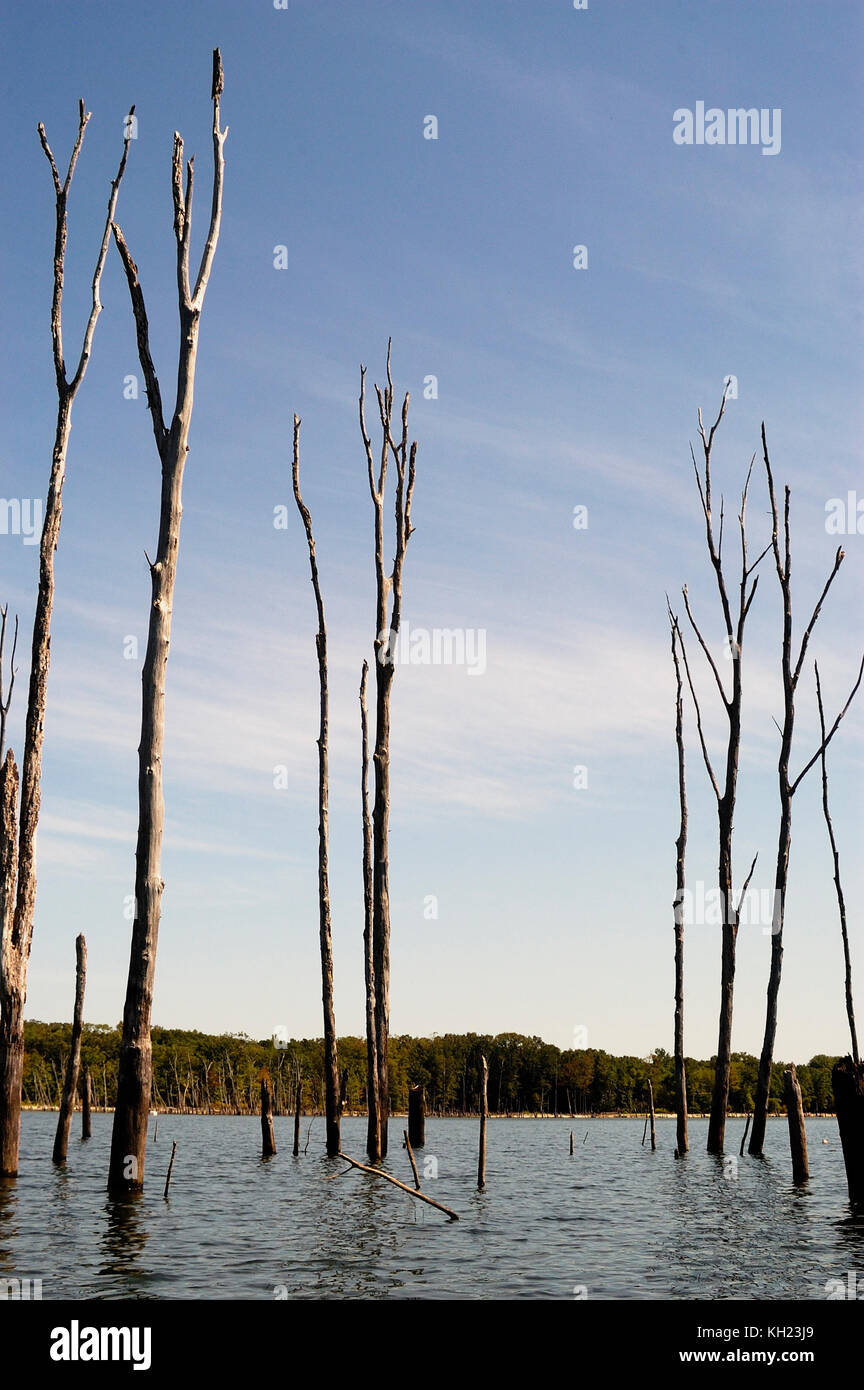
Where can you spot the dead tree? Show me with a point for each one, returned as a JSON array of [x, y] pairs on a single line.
[[268, 1141], [417, 1116], [388, 616], [6, 701], [792, 667], [847, 1075], [73, 1065], [332, 1089], [86, 1100], [484, 1112], [135, 1070], [683, 1143], [734, 639], [797, 1132], [18, 865], [373, 1130]]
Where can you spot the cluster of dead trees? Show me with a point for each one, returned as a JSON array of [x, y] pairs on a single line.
[[19, 795], [736, 592]]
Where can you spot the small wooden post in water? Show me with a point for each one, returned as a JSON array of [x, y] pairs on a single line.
[[413, 1161], [85, 1102], [644, 1131], [746, 1129], [73, 1066], [170, 1168], [651, 1116], [268, 1141], [797, 1136], [847, 1080], [484, 1110], [571, 1143], [297, 1104], [417, 1116]]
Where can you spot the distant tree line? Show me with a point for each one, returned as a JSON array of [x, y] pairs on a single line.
[[222, 1075]]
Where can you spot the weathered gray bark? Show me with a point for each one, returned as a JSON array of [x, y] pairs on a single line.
[[791, 671], [20, 886], [388, 601], [373, 1129], [73, 1066], [332, 1089], [734, 638], [683, 1143], [135, 1072]]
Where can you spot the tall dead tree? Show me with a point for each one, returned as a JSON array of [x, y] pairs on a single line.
[[18, 864], [734, 640], [791, 669], [135, 1071], [683, 1143], [73, 1066], [332, 1089], [373, 1129], [847, 1075], [388, 616]]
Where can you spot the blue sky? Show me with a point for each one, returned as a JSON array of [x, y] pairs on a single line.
[[557, 387]]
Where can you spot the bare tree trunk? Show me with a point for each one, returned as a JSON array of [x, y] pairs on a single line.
[[20, 887], [332, 1093], [484, 1111], [389, 598], [791, 675], [73, 1066], [797, 1134], [847, 1080], [86, 1097], [298, 1097], [373, 1129], [268, 1140], [135, 1072], [417, 1116], [683, 1142], [734, 638]]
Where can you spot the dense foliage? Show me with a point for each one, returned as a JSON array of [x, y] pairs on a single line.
[[196, 1071]]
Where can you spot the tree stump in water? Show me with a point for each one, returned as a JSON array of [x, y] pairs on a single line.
[[484, 1110], [86, 1092], [797, 1136], [417, 1116], [268, 1141], [847, 1080]]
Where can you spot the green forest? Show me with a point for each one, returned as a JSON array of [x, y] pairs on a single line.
[[199, 1072]]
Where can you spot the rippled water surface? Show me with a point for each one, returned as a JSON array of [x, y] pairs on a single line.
[[616, 1218]]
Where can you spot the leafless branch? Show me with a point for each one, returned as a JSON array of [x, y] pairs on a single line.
[[835, 855], [5, 705], [832, 731]]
